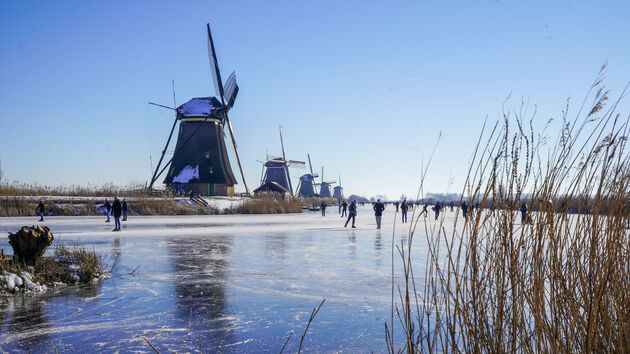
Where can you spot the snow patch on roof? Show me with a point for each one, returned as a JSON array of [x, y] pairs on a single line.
[[197, 107], [186, 174]]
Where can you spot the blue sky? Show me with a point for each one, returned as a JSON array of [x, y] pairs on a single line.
[[364, 87]]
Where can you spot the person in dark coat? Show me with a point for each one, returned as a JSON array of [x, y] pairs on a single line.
[[523, 213], [396, 204], [323, 207], [124, 209], [404, 207], [464, 209], [452, 204], [40, 210], [352, 213], [108, 209], [437, 209], [344, 209], [117, 211], [378, 212]]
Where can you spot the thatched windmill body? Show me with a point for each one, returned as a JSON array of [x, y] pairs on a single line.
[[276, 177], [306, 187], [338, 191], [324, 188]]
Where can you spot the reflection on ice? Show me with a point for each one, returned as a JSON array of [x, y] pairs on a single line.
[[243, 283]]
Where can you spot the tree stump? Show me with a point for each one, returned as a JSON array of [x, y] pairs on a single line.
[[30, 243]]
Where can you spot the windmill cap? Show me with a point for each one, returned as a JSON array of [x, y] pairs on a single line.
[[199, 107]]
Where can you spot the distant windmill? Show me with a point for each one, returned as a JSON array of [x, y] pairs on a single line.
[[338, 191], [276, 176], [306, 186], [324, 188], [200, 162]]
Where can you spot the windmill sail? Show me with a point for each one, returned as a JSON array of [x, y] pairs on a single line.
[[231, 90], [218, 87], [214, 66]]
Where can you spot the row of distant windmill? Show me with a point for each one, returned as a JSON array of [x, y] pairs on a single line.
[[200, 162], [275, 177]]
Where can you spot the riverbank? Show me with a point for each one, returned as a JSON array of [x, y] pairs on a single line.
[[70, 205]]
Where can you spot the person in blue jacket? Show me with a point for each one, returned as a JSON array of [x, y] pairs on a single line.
[[378, 212], [352, 213]]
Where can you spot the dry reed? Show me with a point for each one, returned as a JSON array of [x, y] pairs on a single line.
[[269, 205], [558, 283]]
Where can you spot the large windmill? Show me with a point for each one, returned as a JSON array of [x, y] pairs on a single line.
[[200, 162], [324, 187], [276, 176], [306, 186]]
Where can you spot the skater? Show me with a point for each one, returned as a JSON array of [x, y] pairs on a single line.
[[396, 205], [108, 209], [464, 209], [523, 213], [124, 209], [352, 213], [424, 209], [344, 209], [452, 205], [40, 210], [323, 207], [404, 207], [117, 210], [437, 208], [378, 212]]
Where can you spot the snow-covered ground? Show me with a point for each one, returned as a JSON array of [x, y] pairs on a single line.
[[244, 282]]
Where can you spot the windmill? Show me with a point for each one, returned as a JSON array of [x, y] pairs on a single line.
[[276, 176], [200, 162], [324, 188], [338, 191], [306, 186]]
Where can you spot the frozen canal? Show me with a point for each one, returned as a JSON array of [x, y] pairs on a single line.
[[243, 283]]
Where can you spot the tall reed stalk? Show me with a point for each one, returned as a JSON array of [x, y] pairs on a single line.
[[556, 283]]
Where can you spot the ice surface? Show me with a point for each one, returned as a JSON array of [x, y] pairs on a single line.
[[241, 282]]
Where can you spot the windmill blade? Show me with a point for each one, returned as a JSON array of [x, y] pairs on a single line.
[[296, 164], [214, 67], [309, 164], [168, 141], [218, 88], [231, 90], [273, 157], [284, 157]]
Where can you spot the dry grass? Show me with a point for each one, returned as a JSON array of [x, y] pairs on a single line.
[[21, 200], [270, 205], [14, 188], [19, 206], [48, 270], [557, 284]]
